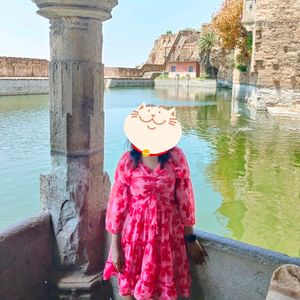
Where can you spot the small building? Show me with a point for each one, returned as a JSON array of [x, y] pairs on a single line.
[[183, 68]]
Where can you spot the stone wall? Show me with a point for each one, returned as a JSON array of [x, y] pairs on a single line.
[[246, 270], [182, 46], [162, 47], [23, 86], [118, 72], [23, 67], [186, 48], [275, 67], [224, 62], [121, 72], [32, 67], [277, 44], [26, 253], [128, 82], [205, 84]]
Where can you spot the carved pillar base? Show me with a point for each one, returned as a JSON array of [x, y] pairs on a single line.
[[73, 285]]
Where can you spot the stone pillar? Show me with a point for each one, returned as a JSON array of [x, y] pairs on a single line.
[[76, 190]]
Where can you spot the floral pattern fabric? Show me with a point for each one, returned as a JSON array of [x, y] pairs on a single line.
[[150, 208]]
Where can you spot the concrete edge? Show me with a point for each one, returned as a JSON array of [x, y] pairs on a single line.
[[129, 78], [258, 254], [24, 78], [24, 94], [44, 217]]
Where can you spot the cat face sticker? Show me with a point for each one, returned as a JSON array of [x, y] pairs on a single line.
[[152, 129]]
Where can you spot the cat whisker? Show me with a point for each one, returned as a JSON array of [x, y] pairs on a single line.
[[172, 124], [134, 116]]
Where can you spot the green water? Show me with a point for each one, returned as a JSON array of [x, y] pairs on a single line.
[[245, 166]]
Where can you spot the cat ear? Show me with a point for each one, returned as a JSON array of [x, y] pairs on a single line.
[[172, 112], [143, 105]]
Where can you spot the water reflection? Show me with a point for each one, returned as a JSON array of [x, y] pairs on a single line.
[[24, 154], [245, 166], [256, 169], [253, 165]]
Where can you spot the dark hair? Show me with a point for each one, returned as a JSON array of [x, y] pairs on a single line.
[[136, 155]]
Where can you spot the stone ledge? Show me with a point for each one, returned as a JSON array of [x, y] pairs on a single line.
[[41, 219], [24, 78], [23, 86], [255, 253], [26, 253], [282, 111]]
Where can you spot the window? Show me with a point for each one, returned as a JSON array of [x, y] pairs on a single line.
[[191, 69], [173, 68]]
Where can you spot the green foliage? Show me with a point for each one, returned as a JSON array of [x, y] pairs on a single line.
[[204, 75], [249, 41], [163, 76], [207, 41], [242, 68], [169, 32], [245, 51]]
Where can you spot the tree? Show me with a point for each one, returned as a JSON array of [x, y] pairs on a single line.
[[206, 42], [227, 23]]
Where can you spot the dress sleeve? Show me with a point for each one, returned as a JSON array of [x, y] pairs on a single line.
[[184, 190], [118, 198]]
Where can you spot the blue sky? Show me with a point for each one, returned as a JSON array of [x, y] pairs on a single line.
[[128, 37]]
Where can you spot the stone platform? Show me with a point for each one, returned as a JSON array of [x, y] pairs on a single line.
[[291, 111]]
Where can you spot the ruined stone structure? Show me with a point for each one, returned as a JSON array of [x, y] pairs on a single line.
[[186, 48], [162, 48], [224, 62], [23, 67], [275, 66], [179, 47]]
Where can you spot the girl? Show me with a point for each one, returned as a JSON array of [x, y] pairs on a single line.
[[150, 215]]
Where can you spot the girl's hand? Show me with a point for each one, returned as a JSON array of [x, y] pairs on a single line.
[[117, 258], [197, 252]]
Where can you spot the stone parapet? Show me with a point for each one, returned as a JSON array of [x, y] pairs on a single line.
[[26, 253], [128, 82], [234, 270], [23, 86], [121, 72], [23, 67], [209, 83]]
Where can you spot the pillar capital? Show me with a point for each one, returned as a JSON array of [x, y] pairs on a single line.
[[95, 9]]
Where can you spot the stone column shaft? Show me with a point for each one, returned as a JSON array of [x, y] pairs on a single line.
[[76, 189]]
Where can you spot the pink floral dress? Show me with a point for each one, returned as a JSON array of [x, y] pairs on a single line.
[[149, 208]]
